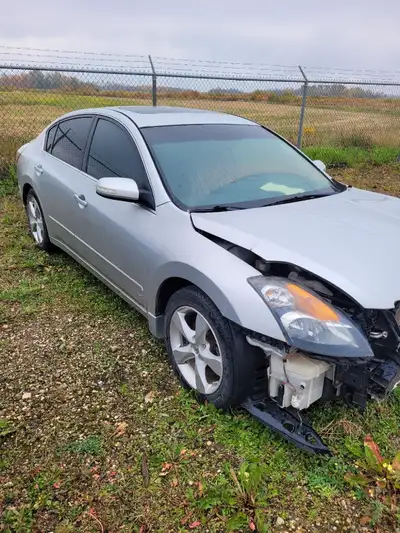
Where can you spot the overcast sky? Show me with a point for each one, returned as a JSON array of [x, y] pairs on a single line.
[[336, 33]]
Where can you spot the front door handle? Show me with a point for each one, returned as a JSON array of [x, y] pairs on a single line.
[[80, 198], [38, 169]]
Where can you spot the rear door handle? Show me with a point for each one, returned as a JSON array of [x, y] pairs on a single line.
[[81, 201], [38, 169]]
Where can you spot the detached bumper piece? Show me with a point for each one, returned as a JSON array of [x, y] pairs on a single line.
[[290, 424]]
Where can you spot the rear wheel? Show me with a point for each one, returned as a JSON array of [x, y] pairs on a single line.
[[37, 223], [209, 354]]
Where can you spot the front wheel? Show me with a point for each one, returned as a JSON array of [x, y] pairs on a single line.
[[209, 354]]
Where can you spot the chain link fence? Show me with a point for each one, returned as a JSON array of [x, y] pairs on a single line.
[[310, 107]]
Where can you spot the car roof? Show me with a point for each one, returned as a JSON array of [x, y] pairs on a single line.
[[148, 116]]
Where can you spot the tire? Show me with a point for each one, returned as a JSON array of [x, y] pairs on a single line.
[[237, 357], [37, 222]]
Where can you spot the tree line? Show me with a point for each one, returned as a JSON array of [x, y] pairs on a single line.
[[36, 79]]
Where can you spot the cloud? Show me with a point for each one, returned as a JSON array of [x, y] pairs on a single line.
[[341, 34]]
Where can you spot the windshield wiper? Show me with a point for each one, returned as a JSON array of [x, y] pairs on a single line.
[[217, 208], [234, 207], [297, 198]]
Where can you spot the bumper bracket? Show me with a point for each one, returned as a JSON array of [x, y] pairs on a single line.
[[291, 426]]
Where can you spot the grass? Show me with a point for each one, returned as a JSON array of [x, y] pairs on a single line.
[[83, 447], [337, 156]]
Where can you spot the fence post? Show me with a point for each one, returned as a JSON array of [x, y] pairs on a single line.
[[154, 78], [303, 108]]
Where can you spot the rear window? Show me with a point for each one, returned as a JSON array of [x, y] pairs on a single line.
[[70, 140], [50, 138]]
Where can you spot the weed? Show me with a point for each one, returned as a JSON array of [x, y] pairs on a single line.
[[90, 446], [378, 477], [124, 389], [6, 428], [319, 481], [243, 495], [20, 520], [8, 183]]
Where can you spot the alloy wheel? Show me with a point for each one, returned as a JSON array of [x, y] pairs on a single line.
[[35, 220], [196, 350]]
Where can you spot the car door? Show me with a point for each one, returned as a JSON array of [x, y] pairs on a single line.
[[59, 174], [115, 236]]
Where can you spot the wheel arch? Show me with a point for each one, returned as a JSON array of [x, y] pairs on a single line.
[[167, 288], [161, 292], [171, 284], [25, 189]]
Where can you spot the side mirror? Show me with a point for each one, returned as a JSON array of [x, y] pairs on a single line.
[[320, 164], [118, 189]]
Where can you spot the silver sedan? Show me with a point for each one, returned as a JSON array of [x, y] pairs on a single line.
[[271, 283]]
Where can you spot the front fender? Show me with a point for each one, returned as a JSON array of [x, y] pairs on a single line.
[[224, 280]]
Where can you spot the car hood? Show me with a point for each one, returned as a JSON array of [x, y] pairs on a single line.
[[351, 239]]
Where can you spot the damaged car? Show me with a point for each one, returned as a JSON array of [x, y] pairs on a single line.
[[273, 285]]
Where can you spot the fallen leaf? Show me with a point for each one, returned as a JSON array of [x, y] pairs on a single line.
[[174, 482], [200, 487], [145, 470], [165, 469], [182, 452], [372, 445], [365, 520], [149, 398], [120, 429], [396, 463], [92, 514], [143, 528], [194, 524], [186, 518], [252, 525]]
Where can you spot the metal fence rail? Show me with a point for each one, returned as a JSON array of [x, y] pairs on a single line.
[[311, 107]]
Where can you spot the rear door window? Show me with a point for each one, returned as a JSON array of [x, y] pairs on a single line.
[[70, 140]]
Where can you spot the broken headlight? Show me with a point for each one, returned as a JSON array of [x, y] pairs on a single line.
[[308, 322]]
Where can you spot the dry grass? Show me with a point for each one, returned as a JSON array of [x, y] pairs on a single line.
[[23, 114]]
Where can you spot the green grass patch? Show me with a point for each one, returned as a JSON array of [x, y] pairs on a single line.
[[353, 156], [90, 446]]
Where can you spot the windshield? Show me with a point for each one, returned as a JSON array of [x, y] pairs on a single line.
[[219, 165]]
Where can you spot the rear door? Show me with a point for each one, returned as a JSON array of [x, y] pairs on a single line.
[[59, 175], [115, 236]]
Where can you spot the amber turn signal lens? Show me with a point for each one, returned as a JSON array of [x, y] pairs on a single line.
[[311, 305]]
